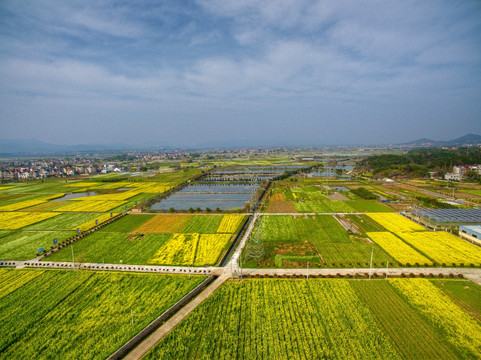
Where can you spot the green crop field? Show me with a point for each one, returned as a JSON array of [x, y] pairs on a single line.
[[402, 324], [319, 240], [472, 191], [315, 319], [112, 248], [62, 222], [126, 224], [465, 295], [364, 223], [368, 206], [324, 206], [203, 224], [23, 245], [78, 314]]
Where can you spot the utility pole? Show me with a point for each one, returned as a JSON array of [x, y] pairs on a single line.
[[131, 316], [387, 267], [370, 267], [73, 258], [308, 271]]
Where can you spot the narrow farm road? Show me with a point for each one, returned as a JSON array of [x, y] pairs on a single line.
[[157, 335]]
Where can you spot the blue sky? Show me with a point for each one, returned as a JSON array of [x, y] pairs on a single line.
[[190, 73]]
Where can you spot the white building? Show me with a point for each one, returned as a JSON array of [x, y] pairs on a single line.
[[452, 177]]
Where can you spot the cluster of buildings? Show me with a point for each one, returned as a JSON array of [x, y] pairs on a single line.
[[19, 171], [459, 171]]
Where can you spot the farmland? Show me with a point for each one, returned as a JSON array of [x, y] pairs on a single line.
[[113, 248], [338, 319], [397, 248], [23, 245], [443, 247], [318, 198], [192, 240], [396, 223], [439, 246], [18, 219], [320, 239], [461, 330], [79, 314]]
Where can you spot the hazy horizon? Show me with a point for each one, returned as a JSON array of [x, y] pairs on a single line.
[[197, 72]]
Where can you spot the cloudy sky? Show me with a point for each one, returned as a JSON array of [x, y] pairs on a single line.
[[189, 73]]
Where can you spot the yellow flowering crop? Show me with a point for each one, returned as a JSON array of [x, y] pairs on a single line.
[[210, 247], [395, 222], [397, 248], [15, 280], [179, 250], [462, 330], [117, 185], [229, 223], [90, 206], [18, 219], [444, 247], [83, 184]]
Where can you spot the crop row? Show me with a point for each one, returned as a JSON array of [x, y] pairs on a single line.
[[73, 315], [278, 319], [444, 247], [461, 329], [397, 248]]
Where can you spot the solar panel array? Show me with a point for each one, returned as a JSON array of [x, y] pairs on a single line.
[[468, 216]]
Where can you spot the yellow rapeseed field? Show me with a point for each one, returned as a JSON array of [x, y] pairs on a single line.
[[443, 247], [210, 247], [229, 223], [90, 206], [18, 219], [462, 329], [397, 248], [395, 222], [85, 184], [179, 250]]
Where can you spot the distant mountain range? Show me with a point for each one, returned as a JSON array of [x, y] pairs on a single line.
[[469, 139], [37, 147], [34, 146]]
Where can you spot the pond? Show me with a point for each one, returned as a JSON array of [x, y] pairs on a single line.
[[224, 197], [76, 195]]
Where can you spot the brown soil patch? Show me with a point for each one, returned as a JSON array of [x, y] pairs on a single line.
[[303, 248], [165, 224], [277, 197], [336, 196], [135, 237], [45, 206], [281, 207]]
